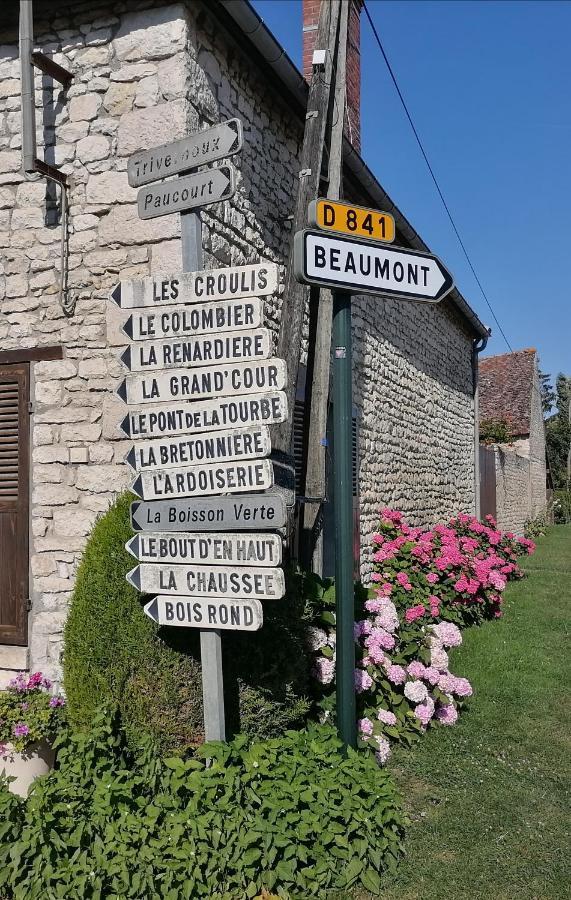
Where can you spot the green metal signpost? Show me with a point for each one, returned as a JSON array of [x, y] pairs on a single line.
[[349, 266]]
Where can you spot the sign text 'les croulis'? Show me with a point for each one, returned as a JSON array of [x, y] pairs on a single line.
[[176, 321], [208, 581], [258, 279], [189, 192], [198, 384], [346, 218], [196, 612], [360, 267], [198, 149], [222, 446], [233, 346], [201, 481], [218, 549], [206, 415], [261, 511]]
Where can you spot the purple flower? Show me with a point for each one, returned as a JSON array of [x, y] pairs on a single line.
[[20, 730], [57, 701], [396, 674], [386, 717], [415, 691], [363, 681], [462, 687], [446, 714], [365, 726], [323, 669], [384, 750]]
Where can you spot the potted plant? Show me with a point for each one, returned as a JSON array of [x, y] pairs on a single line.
[[29, 718]]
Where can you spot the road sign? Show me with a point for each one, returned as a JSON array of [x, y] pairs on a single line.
[[208, 581], [198, 384], [204, 349], [360, 267], [202, 481], [198, 149], [242, 443], [258, 279], [198, 612], [347, 218], [175, 321], [188, 192], [217, 549], [206, 415], [264, 512]]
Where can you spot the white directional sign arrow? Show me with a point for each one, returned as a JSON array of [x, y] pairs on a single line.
[[361, 267], [206, 415], [241, 443], [198, 384], [176, 321], [237, 549], [204, 349], [198, 612], [232, 283], [188, 192], [197, 149], [208, 581], [202, 481], [264, 512]]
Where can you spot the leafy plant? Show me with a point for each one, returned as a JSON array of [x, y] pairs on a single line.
[[495, 431], [114, 653], [28, 712], [534, 528], [292, 816]]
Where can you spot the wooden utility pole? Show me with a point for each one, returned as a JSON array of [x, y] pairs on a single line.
[[295, 294], [319, 356]]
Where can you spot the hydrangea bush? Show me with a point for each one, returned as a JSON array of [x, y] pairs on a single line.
[[29, 712], [427, 586]]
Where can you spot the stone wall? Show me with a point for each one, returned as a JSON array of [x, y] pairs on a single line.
[[537, 473], [513, 494], [143, 78]]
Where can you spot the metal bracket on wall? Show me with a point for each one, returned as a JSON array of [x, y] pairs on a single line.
[[51, 68]]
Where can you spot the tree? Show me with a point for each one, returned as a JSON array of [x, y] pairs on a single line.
[[547, 392], [558, 432]]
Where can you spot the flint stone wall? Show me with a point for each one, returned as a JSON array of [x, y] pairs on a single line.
[[142, 78]]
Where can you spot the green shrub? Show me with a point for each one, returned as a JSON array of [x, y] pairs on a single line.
[[292, 815], [114, 653]]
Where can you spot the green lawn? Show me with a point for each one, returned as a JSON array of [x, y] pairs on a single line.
[[489, 798]]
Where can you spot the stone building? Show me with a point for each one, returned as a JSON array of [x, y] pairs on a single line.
[[510, 395], [146, 72]]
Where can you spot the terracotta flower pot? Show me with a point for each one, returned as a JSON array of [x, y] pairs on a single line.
[[36, 760]]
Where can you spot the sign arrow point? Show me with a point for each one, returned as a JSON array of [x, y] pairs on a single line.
[[151, 609], [125, 426], [116, 294], [132, 546], [137, 486], [134, 577], [127, 327], [134, 524], [131, 458], [126, 358], [122, 390]]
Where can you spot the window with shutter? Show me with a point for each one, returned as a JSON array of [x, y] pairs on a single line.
[[14, 502]]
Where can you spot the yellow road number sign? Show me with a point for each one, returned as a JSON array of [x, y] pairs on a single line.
[[349, 219]]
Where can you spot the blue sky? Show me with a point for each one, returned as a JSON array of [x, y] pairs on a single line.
[[488, 85]]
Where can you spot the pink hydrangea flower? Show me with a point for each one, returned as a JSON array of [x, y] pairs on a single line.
[[384, 750], [414, 612], [363, 681], [447, 633], [381, 638], [446, 714], [462, 687], [324, 670], [376, 655], [373, 605], [425, 711], [316, 638], [416, 669], [439, 658], [447, 682], [386, 717], [432, 675], [396, 674], [415, 691], [365, 726]]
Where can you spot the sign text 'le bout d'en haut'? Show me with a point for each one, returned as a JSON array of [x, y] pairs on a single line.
[[204, 389], [363, 267]]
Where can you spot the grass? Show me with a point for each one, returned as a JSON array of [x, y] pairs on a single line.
[[489, 799]]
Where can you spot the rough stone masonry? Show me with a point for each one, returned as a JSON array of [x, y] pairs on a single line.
[[145, 76]]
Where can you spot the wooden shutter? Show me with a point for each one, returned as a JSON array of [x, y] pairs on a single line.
[[14, 502]]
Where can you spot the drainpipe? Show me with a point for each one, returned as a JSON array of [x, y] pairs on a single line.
[[478, 345], [29, 153]]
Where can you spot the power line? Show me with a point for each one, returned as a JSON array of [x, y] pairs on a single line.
[[435, 180]]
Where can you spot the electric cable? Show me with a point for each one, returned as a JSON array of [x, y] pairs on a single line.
[[435, 180]]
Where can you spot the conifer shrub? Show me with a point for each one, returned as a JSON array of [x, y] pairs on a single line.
[[113, 653]]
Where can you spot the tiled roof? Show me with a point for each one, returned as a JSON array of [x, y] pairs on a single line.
[[505, 387]]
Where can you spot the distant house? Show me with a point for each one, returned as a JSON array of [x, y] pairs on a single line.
[[513, 469]]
